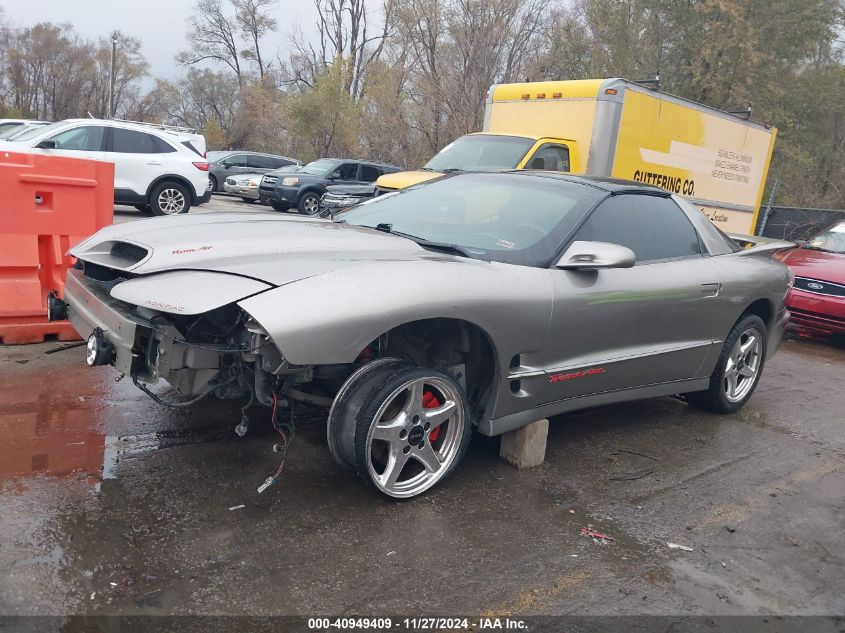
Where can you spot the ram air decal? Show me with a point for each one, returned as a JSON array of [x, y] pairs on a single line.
[[572, 375], [182, 251]]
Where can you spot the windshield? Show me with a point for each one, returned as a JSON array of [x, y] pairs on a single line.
[[39, 130], [479, 152], [11, 130], [831, 240], [512, 218], [320, 167]]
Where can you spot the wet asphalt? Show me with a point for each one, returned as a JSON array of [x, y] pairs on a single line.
[[112, 504]]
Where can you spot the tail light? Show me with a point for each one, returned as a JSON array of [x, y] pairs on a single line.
[[201, 166]]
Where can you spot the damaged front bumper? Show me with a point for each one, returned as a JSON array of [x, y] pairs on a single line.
[[91, 308], [202, 343], [146, 344]]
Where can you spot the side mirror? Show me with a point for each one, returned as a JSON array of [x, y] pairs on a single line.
[[47, 144], [596, 255]]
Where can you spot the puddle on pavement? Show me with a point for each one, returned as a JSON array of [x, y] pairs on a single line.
[[50, 426], [65, 433], [83, 424]]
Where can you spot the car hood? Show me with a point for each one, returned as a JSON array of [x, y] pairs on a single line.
[[402, 179], [284, 171], [351, 190], [244, 176], [260, 246], [806, 262]]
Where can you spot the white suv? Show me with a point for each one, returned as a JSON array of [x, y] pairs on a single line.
[[154, 170]]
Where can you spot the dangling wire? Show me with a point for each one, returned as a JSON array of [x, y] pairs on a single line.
[[287, 440]]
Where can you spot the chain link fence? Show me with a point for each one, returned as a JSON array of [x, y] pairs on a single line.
[[797, 224]]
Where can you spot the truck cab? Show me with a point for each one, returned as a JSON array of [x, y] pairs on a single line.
[[489, 151]]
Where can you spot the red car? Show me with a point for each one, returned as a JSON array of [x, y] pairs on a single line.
[[817, 299]]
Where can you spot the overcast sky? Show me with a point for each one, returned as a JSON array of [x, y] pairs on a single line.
[[159, 24]]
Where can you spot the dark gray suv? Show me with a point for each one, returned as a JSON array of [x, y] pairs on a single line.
[[222, 164], [304, 188]]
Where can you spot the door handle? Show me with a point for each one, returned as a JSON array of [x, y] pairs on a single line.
[[153, 162], [712, 289]]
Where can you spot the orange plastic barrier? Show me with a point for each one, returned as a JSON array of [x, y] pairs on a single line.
[[47, 204]]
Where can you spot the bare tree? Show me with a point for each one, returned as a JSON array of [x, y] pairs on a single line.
[[129, 67], [212, 36], [456, 50], [254, 21], [343, 33]]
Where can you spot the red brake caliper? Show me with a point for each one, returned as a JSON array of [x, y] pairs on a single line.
[[430, 401]]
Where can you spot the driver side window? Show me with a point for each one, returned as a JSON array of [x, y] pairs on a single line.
[[654, 227], [87, 138], [551, 158], [347, 171]]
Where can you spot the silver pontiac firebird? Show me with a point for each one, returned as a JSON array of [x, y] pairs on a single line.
[[476, 302]]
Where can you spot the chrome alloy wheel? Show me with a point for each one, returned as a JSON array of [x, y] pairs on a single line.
[[311, 205], [415, 436], [743, 365], [171, 201]]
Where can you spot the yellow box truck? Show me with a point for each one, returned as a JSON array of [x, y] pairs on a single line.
[[620, 129]]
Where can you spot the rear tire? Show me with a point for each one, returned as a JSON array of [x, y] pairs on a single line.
[[169, 198], [738, 369], [212, 183], [249, 200]]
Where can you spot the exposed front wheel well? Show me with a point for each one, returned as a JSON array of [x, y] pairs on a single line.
[[454, 346], [309, 190]]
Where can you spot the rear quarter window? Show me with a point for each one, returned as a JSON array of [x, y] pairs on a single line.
[[133, 142]]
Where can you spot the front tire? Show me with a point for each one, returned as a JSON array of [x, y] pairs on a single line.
[[309, 203], [279, 206], [249, 200], [169, 198], [412, 431], [738, 369]]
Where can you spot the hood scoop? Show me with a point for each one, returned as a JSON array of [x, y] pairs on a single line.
[[119, 254], [128, 253]]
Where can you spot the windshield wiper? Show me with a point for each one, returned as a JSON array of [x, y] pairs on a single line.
[[443, 247]]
